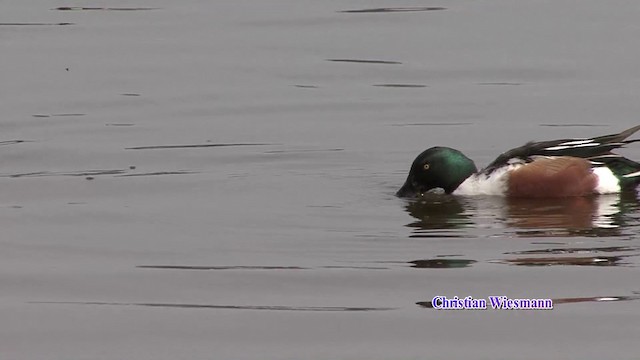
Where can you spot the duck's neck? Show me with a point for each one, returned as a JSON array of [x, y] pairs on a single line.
[[460, 169]]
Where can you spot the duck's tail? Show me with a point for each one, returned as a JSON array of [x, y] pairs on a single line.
[[621, 137], [627, 171]]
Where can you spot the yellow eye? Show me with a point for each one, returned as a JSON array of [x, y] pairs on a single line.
[[426, 166]]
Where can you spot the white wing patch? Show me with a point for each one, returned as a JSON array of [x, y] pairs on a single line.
[[637, 173], [604, 156], [576, 142], [573, 145], [607, 182]]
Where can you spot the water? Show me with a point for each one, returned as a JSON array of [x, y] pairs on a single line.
[[216, 179]]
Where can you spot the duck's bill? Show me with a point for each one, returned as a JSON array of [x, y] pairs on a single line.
[[413, 189], [408, 190]]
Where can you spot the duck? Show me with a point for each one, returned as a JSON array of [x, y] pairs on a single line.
[[545, 169]]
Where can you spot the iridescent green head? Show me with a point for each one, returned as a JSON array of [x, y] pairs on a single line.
[[437, 167]]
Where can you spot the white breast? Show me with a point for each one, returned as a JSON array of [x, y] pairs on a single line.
[[480, 184]]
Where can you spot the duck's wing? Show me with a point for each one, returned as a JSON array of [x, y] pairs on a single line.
[[583, 148]]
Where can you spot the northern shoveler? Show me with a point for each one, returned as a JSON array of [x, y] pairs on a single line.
[[556, 168]]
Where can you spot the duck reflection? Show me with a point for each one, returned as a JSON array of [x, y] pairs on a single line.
[[440, 215], [603, 215]]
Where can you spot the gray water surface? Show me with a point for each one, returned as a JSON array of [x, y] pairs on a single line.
[[216, 179]]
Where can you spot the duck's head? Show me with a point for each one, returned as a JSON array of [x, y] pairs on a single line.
[[437, 167]]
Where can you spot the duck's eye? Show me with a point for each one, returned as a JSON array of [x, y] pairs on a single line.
[[425, 166]]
